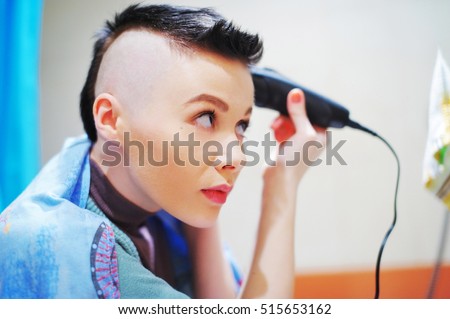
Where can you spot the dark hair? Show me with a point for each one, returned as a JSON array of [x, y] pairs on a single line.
[[195, 28]]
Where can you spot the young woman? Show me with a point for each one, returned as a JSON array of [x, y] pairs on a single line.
[[131, 210]]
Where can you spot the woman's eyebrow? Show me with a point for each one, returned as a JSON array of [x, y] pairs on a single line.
[[219, 103]]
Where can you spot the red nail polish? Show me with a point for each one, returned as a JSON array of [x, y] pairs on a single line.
[[296, 97], [283, 128]]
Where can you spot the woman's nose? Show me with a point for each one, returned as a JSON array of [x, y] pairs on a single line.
[[230, 156]]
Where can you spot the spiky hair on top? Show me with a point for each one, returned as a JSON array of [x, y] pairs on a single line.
[[187, 27]]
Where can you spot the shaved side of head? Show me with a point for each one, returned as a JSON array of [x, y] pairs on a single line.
[[132, 66]]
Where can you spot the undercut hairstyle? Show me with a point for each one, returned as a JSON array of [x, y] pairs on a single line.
[[186, 27]]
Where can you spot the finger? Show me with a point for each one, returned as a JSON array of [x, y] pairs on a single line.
[[283, 128], [321, 134], [296, 108]]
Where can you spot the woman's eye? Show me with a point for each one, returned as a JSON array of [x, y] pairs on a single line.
[[241, 128], [206, 119]]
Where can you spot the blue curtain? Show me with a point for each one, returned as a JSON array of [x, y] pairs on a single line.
[[20, 30]]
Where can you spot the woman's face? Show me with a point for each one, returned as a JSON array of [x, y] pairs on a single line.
[[181, 127]]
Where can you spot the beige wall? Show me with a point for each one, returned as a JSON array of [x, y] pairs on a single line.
[[376, 57]]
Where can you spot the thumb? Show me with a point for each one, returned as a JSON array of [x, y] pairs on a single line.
[[297, 109]]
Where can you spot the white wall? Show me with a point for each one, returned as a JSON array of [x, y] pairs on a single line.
[[375, 57]]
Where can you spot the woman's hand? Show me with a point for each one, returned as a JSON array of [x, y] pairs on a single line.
[[300, 142], [272, 271]]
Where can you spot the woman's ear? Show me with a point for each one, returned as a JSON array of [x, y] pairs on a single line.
[[106, 110]]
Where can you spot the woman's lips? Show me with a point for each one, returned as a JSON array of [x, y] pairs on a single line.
[[217, 194]]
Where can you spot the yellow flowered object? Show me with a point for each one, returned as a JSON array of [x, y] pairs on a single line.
[[437, 153]]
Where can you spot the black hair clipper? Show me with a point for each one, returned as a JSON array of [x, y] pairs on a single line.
[[272, 88]]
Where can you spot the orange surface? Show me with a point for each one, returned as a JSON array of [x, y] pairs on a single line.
[[399, 283]]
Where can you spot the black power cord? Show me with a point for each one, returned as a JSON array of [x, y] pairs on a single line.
[[391, 228]]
